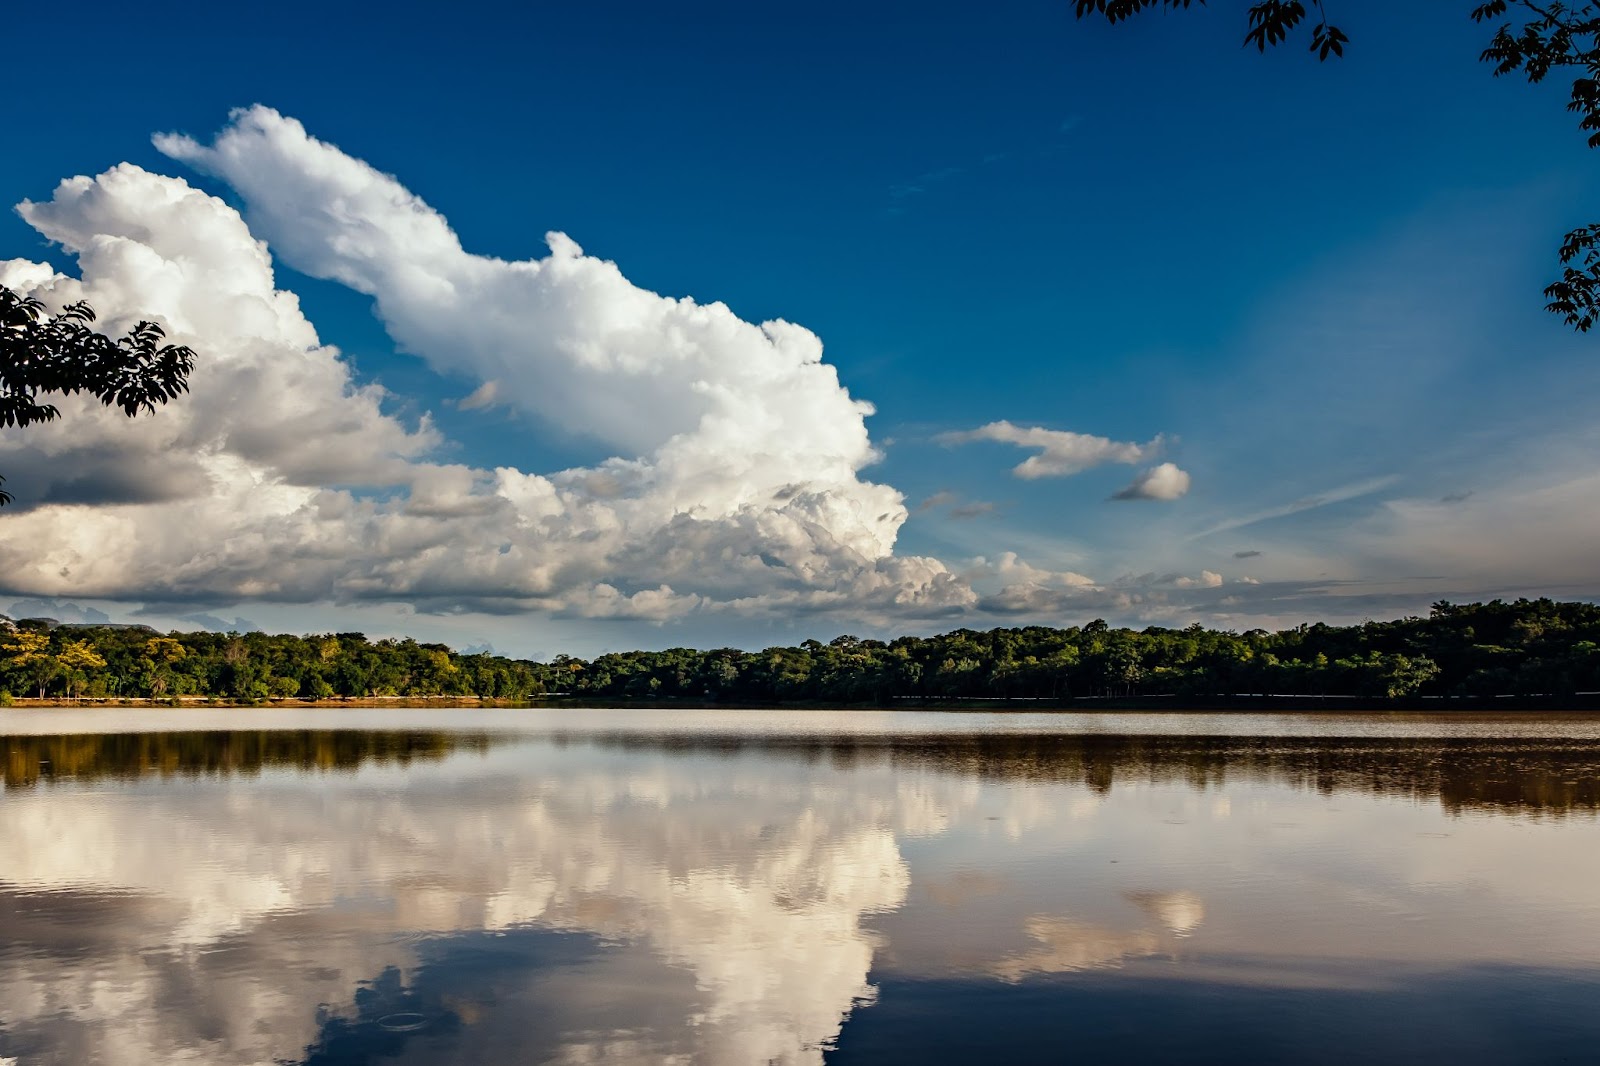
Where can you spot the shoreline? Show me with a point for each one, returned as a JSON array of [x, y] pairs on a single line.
[[1586, 704]]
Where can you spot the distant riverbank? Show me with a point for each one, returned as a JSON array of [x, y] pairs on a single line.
[[287, 701], [1526, 654], [1253, 703]]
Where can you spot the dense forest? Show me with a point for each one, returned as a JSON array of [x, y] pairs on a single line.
[[1530, 648]]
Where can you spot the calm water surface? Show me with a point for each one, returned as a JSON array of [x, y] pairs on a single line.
[[239, 887]]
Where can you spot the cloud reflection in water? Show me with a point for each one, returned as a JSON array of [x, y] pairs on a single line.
[[678, 898]]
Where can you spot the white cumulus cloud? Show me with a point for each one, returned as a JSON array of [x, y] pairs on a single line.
[[723, 413], [1208, 579], [1165, 481], [734, 481]]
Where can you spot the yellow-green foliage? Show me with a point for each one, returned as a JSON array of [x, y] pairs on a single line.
[[26, 647], [78, 655]]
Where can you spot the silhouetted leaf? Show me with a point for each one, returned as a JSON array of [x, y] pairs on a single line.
[[1271, 21], [1328, 40], [42, 355]]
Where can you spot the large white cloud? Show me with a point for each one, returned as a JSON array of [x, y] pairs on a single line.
[[719, 417], [735, 481]]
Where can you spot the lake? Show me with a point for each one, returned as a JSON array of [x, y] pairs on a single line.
[[721, 887]]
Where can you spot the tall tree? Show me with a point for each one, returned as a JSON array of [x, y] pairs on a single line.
[[29, 655], [42, 355], [1543, 38]]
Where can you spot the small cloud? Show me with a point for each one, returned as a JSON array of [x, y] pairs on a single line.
[[1251, 554], [220, 625], [647, 605], [1162, 482], [1457, 497], [1070, 123], [1208, 579], [479, 398], [1248, 581], [1061, 453], [944, 498]]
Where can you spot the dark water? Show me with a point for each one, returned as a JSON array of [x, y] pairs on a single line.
[[544, 887]]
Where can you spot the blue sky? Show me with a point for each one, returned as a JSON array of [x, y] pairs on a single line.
[[1318, 284]]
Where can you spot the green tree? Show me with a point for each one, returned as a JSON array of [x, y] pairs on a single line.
[[43, 355], [28, 654], [159, 655], [1544, 38], [77, 659]]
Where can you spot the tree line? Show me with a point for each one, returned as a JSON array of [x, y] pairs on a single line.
[[38, 659], [1523, 648]]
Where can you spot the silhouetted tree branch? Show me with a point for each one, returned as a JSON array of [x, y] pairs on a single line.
[[1551, 36], [43, 355]]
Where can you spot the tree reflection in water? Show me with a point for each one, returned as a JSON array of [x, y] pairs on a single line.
[[1534, 776], [91, 757], [1530, 776]]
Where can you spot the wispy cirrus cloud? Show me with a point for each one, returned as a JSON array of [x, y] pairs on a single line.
[[1350, 491], [954, 505], [903, 194]]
